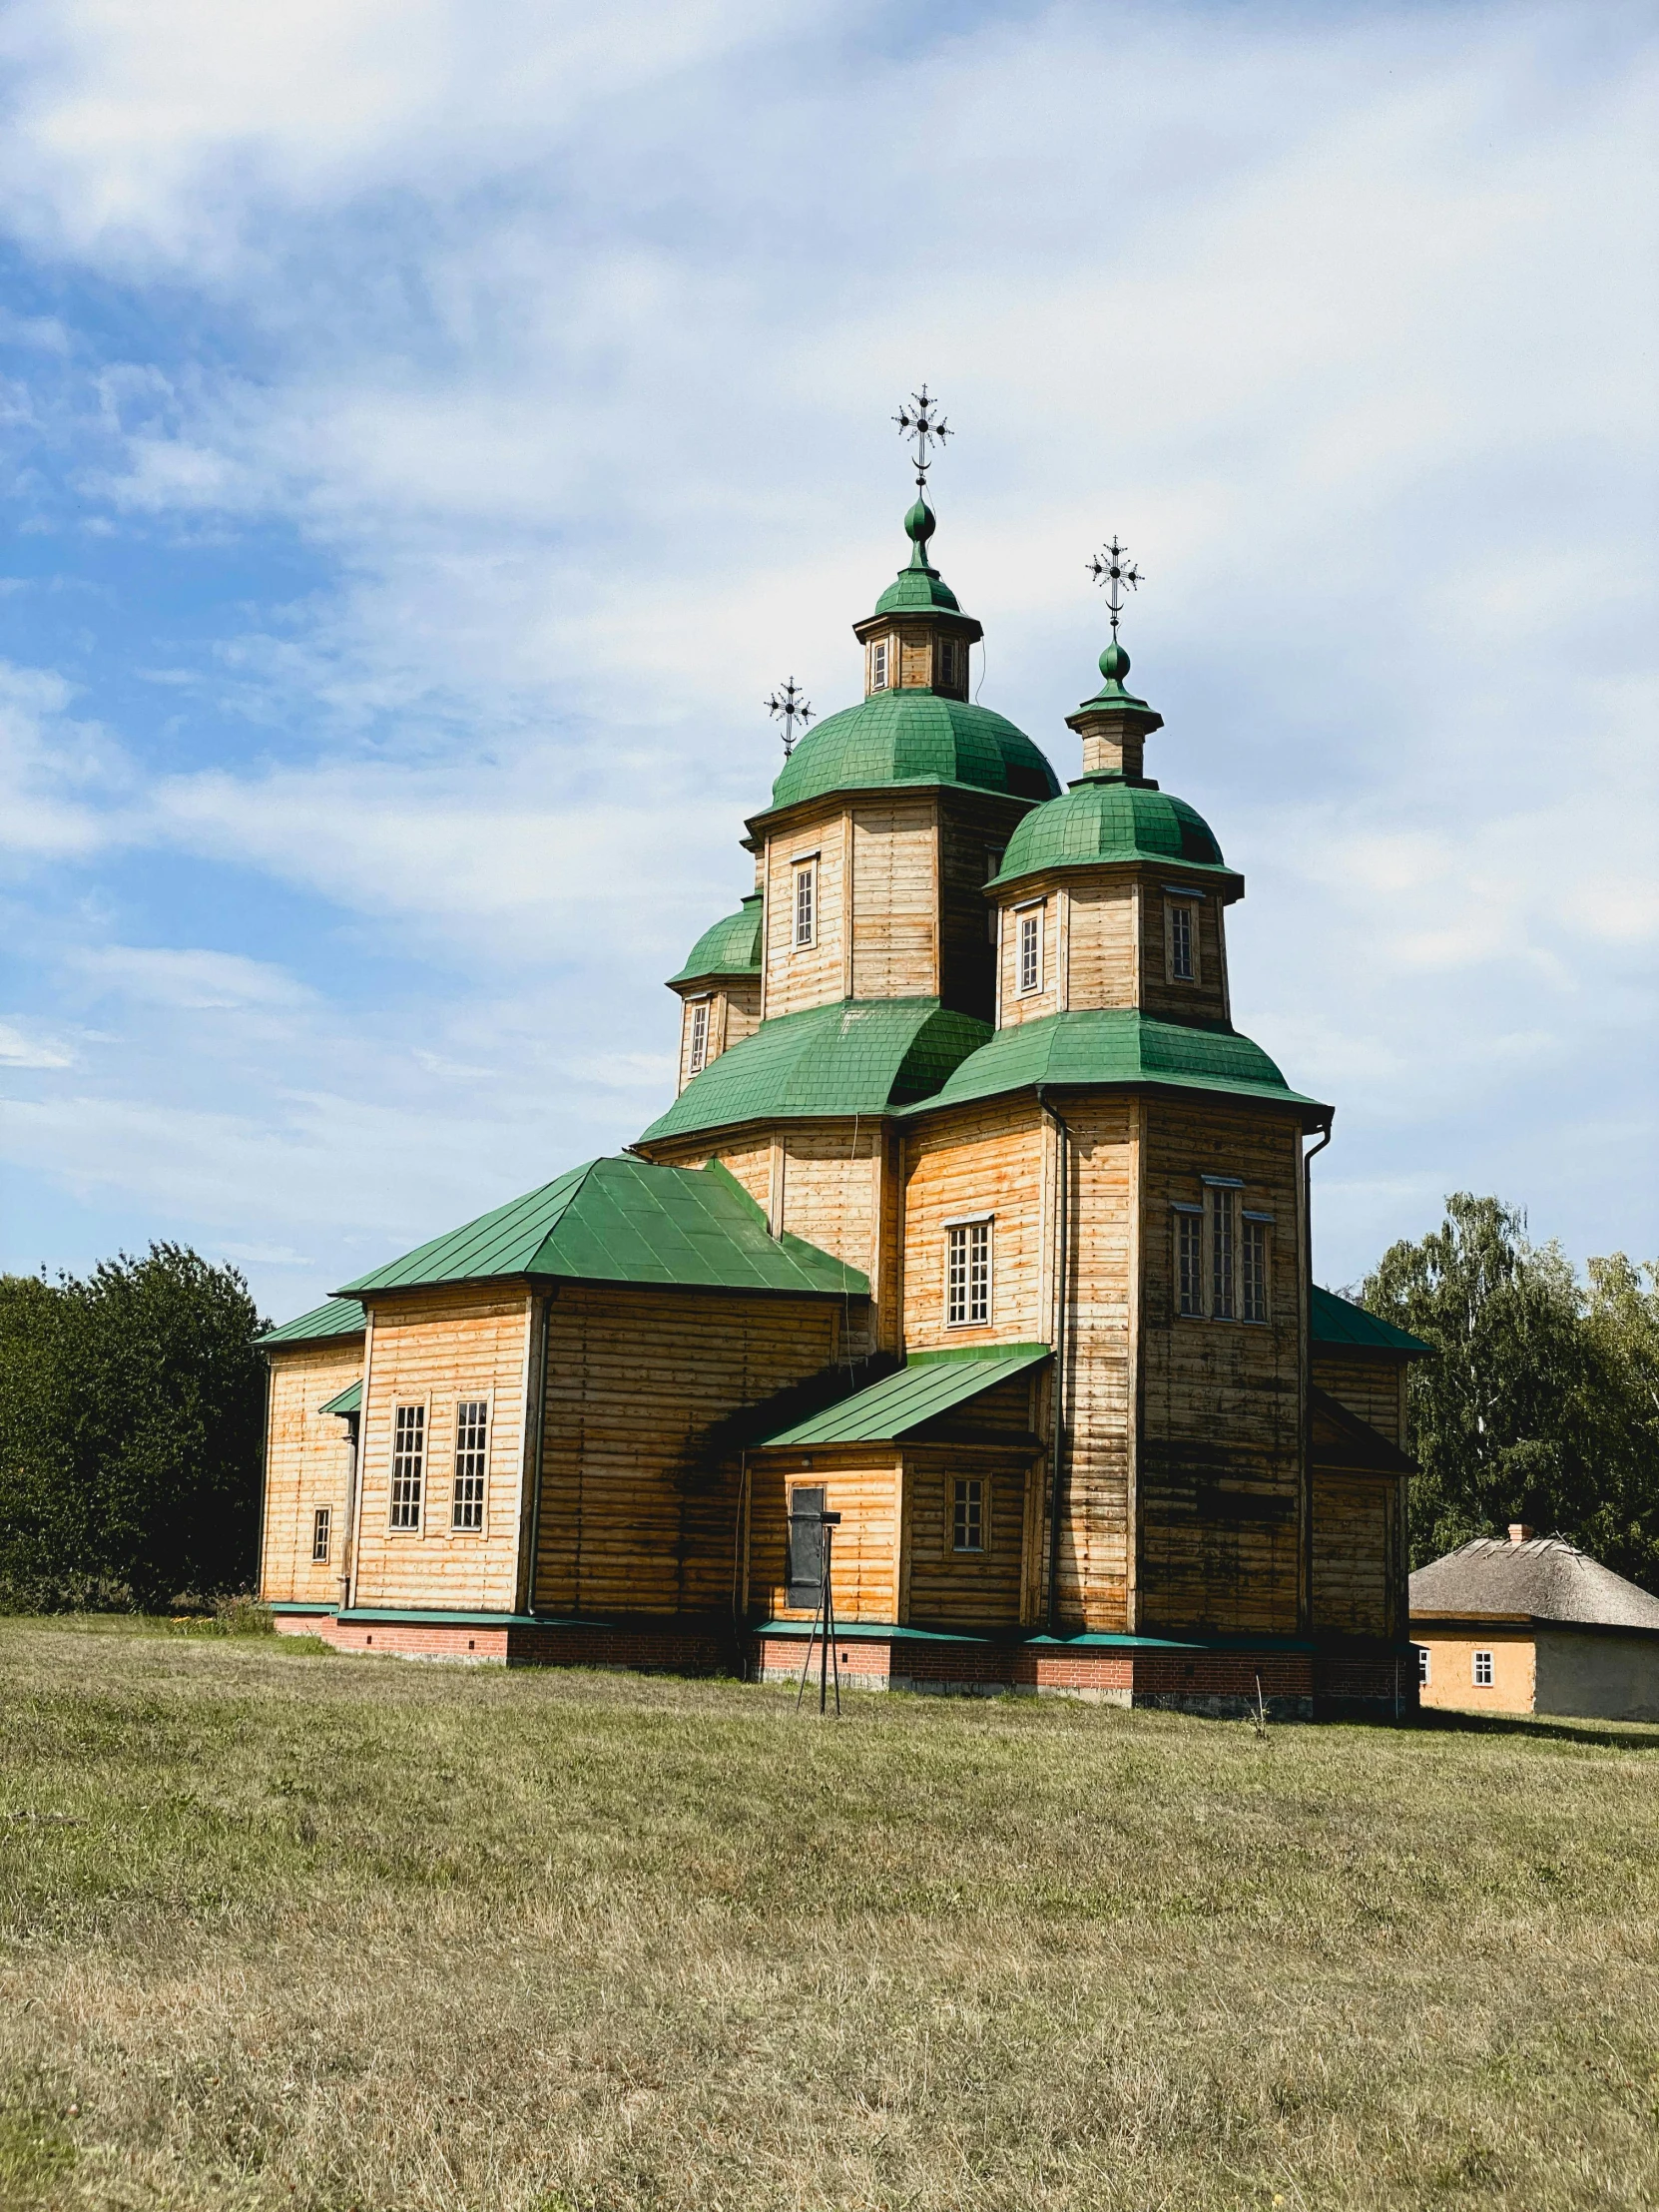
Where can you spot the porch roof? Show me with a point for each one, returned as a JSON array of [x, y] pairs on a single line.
[[928, 1384]]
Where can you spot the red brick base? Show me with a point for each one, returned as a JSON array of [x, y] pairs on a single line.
[[674, 1646]]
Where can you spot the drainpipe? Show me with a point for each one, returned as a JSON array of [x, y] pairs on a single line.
[[1307, 1371], [1057, 1446], [539, 1402]]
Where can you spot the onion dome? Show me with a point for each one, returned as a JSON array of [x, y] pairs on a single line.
[[730, 948], [918, 737], [919, 588], [1101, 820]]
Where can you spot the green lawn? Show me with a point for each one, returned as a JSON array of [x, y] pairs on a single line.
[[284, 1928]]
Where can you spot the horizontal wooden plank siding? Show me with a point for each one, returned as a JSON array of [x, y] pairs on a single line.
[[1204, 999], [975, 1160], [974, 826], [963, 1589], [639, 1490], [1354, 1554], [1221, 1434], [1369, 1388], [861, 1483], [307, 1465], [896, 948], [434, 1349], [798, 976], [1095, 1535], [1100, 939]]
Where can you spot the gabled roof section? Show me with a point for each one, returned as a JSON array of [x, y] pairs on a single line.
[[730, 948], [624, 1221], [922, 1389], [851, 1057], [341, 1316], [1546, 1579], [1118, 1044], [348, 1401], [1338, 1320]]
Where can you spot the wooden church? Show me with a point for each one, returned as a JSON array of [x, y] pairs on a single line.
[[974, 1221]]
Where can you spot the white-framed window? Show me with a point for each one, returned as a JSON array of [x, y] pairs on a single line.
[[1423, 1667], [1482, 1670], [698, 1054], [879, 656], [993, 867], [967, 1514], [1189, 1261], [322, 1529], [472, 1417], [968, 1273], [408, 1464], [1030, 951], [805, 902], [1183, 965], [1252, 1268], [1222, 1270]]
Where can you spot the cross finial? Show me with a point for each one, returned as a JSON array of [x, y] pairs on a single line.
[[789, 705], [1111, 569], [924, 425]]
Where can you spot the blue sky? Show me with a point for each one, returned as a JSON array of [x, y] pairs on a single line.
[[432, 430]]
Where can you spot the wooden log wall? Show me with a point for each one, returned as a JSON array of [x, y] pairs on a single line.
[[308, 1463], [435, 1348], [733, 1013], [1204, 1000], [799, 977], [973, 827], [1355, 1572], [972, 1160], [1371, 1387], [895, 944], [1220, 1476], [1102, 964], [861, 1483], [639, 1492]]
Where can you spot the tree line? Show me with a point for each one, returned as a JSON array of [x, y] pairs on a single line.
[[131, 1412]]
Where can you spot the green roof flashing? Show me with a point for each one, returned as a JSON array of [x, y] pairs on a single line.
[[900, 1403], [349, 1401], [730, 948], [1103, 818], [912, 737], [339, 1316], [917, 591], [1118, 1045], [625, 1221], [851, 1057], [1338, 1320]]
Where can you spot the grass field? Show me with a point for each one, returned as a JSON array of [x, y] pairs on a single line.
[[285, 1929]]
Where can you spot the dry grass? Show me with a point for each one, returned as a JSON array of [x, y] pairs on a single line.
[[281, 1929]]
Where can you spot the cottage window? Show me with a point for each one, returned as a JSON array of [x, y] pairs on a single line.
[[698, 1054], [471, 1453], [1482, 1670], [969, 1517], [1181, 968], [968, 1273], [408, 1464], [1030, 950], [805, 903], [806, 1562], [322, 1525], [1423, 1666], [1189, 1261], [1221, 1253], [1253, 1269], [879, 664]]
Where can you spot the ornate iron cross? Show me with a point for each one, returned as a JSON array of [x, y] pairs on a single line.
[[924, 427], [1111, 569], [789, 705]]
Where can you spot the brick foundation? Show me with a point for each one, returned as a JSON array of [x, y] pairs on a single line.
[[667, 1646]]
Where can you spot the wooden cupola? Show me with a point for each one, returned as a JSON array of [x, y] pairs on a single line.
[[918, 638]]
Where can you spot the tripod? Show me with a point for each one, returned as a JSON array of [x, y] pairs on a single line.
[[824, 1628]]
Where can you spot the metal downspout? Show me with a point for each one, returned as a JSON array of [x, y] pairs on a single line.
[[540, 1395], [1308, 1373], [1057, 1446]]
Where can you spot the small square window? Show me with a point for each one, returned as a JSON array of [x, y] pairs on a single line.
[[322, 1527], [1030, 951], [969, 1515], [698, 1054], [1482, 1670], [968, 1273], [471, 1454], [805, 903], [879, 664], [1423, 1671], [1182, 967]]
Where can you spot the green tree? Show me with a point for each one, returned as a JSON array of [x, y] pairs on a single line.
[[131, 1409], [1533, 1408]]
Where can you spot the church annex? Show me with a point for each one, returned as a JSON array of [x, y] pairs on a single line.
[[974, 1220]]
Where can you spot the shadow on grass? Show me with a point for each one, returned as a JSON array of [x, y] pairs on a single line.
[[1605, 1734]]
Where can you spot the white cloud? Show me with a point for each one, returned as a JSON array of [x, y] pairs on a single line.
[[20, 1049]]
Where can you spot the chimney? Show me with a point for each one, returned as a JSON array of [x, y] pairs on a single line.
[[1519, 1533]]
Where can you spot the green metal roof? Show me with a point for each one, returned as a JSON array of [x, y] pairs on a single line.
[[1117, 1045], [922, 1389], [851, 1057], [914, 736], [1101, 817], [919, 588], [341, 1316], [1338, 1320], [730, 948], [624, 1221], [349, 1401]]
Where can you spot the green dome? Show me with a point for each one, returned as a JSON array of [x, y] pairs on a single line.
[[730, 948], [914, 736], [1101, 818]]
